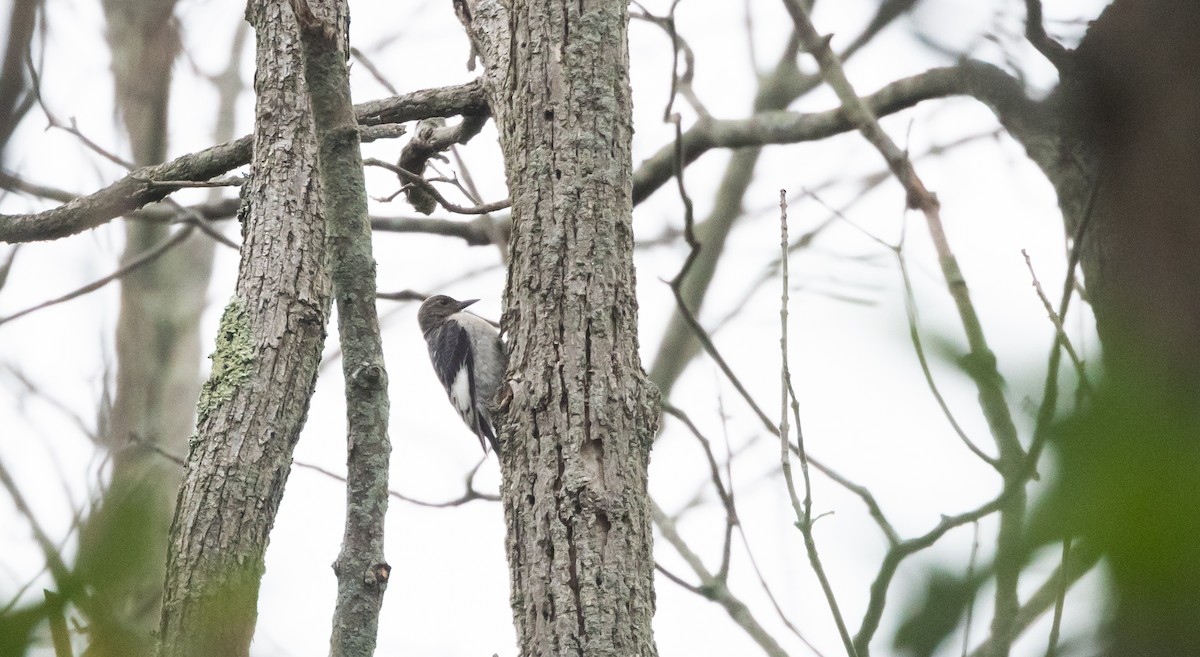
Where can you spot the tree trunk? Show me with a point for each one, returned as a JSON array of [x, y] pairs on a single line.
[[582, 415], [1121, 145], [123, 543], [1132, 475], [361, 569], [269, 344]]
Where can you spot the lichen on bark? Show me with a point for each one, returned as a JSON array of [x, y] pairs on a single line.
[[232, 359]]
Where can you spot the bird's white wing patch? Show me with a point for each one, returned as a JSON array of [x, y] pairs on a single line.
[[460, 393]]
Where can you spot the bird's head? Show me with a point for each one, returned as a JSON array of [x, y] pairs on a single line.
[[437, 308]]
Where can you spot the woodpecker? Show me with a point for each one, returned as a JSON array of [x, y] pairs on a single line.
[[468, 358]]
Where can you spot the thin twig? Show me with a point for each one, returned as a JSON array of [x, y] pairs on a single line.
[[910, 308], [710, 348], [752, 53], [966, 642], [1049, 405], [6, 266], [469, 495], [873, 508], [1059, 600], [914, 334], [716, 590], [680, 84], [1060, 332], [373, 70], [153, 446], [680, 581], [731, 518], [54, 561], [140, 260], [804, 517], [59, 635], [13, 183], [232, 181], [1035, 32], [980, 361], [991, 394], [71, 126], [1083, 559], [896, 555], [414, 179], [194, 218], [741, 528], [19, 594], [866, 184]]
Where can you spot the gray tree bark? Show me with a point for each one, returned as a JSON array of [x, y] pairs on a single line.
[[361, 569], [264, 368], [123, 542], [582, 414]]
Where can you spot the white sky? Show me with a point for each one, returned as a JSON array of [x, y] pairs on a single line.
[[866, 408]]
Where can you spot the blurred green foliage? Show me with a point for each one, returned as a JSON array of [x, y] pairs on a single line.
[[1128, 487], [94, 593]]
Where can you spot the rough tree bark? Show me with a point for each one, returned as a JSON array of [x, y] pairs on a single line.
[[582, 415], [360, 567], [264, 368]]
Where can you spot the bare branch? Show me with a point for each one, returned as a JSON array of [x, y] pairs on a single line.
[[480, 231], [1050, 388], [145, 257], [715, 589], [970, 576], [679, 580], [432, 137], [361, 568], [1056, 320], [469, 495], [373, 70], [232, 181], [980, 362], [54, 561], [1081, 560], [13, 183], [414, 179], [680, 84], [402, 295], [865, 495], [1059, 600], [31, 387], [132, 192], [804, 517], [70, 127], [914, 334], [898, 553], [910, 308], [987, 83], [1035, 32], [59, 635], [731, 516]]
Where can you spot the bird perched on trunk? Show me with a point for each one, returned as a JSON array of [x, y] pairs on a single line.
[[468, 358]]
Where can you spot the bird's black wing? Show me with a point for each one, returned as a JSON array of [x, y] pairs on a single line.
[[454, 362]]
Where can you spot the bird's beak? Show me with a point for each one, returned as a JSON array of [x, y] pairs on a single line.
[[464, 304]]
